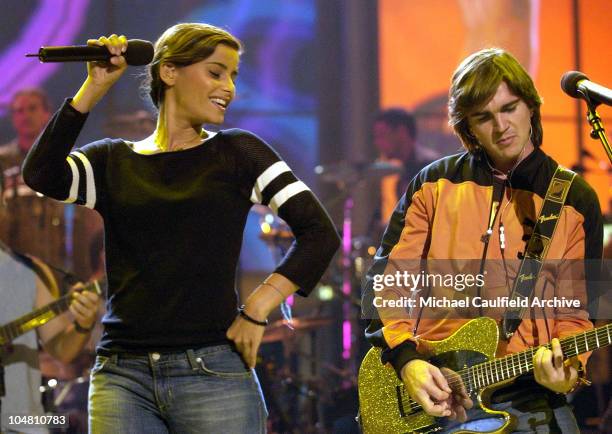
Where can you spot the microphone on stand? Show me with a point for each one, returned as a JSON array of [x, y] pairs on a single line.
[[139, 52], [578, 85]]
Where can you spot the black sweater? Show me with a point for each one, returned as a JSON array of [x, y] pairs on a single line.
[[174, 223]]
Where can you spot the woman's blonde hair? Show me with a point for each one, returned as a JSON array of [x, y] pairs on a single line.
[[182, 45]]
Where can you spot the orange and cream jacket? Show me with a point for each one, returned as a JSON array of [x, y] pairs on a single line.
[[440, 224]]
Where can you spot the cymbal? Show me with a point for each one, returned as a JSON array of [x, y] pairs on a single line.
[[353, 172], [280, 331]]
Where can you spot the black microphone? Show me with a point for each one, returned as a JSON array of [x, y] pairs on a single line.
[[576, 84], [138, 53]]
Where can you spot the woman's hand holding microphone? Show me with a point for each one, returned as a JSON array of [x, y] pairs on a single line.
[[101, 75]]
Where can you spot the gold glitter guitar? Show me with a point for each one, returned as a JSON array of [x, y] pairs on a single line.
[[386, 408]]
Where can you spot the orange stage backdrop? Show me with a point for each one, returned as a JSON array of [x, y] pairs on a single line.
[[421, 43]]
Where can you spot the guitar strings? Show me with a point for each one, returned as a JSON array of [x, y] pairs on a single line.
[[570, 346], [13, 329], [497, 363]]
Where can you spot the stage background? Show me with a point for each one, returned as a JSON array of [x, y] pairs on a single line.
[[422, 42], [276, 89], [312, 78]]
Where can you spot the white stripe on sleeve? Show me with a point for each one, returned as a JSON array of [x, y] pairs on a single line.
[[74, 187], [287, 193], [90, 186], [268, 175]]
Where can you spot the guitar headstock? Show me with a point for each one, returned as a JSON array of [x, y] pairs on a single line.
[[93, 286]]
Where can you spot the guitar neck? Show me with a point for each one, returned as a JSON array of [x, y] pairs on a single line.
[[497, 370], [40, 316]]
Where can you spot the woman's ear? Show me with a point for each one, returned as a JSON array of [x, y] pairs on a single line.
[[167, 73]]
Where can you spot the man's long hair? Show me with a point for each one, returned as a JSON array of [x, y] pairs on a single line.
[[475, 82]]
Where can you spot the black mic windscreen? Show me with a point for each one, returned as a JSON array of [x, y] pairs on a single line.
[[139, 52], [569, 82]]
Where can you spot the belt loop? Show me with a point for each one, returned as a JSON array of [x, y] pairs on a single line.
[[193, 360]]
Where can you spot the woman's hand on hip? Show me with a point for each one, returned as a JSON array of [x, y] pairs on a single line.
[[247, 338]]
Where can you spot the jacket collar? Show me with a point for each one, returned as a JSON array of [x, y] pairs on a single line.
[[524, 174]]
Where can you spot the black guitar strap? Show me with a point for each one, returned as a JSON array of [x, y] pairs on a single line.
[[537, 247]]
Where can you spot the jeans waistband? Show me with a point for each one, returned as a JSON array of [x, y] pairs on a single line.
[[192, 355]]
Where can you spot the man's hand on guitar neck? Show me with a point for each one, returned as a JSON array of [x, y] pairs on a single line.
[[58, 337], [84, 307], [429, 386], [551, 372]]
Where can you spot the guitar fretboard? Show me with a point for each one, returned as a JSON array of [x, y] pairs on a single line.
[[491, 372], [40, 316]]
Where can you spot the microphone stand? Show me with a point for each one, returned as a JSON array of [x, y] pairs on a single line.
[[598, 131]]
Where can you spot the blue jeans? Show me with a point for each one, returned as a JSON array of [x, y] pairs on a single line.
[[208, 390]]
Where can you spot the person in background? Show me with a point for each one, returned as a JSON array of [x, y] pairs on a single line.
[[30, 110], [29, 223], [26, 284], [395, 138], [70, 395]]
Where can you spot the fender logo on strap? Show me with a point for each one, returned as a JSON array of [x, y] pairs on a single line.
[[545, 218], [524, 277]]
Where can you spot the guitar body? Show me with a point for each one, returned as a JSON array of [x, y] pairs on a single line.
[[384, 405]]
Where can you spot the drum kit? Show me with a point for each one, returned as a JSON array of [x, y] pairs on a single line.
[[303, 393]]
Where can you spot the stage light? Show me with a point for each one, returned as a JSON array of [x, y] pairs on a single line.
[[325, 293], [346, 339]]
